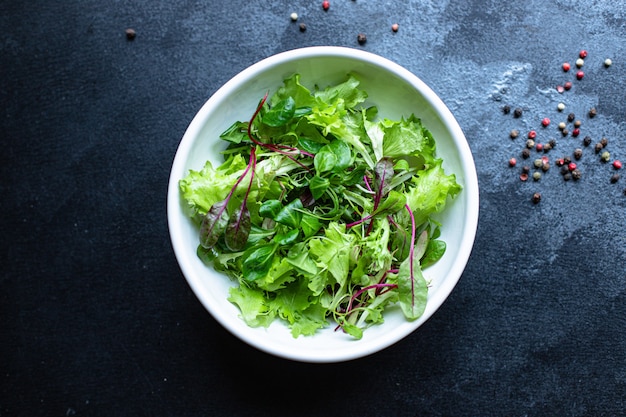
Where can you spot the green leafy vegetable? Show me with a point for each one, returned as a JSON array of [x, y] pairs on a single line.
[[320, 211]]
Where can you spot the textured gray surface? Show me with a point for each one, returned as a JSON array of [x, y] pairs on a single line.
[[97, 319]]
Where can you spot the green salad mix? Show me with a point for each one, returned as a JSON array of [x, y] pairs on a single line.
[[322, 210]]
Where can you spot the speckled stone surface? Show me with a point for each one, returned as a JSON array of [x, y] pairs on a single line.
[[95, 316]]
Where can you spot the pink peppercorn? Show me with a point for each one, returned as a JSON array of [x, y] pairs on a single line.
[[567, 85], [545, 122], [617, 164], [532, 134], [583, 54], [571, 166], [512, 162], [566, 66], [559, 88], [539, 147], [395, 27], [580, 75], [325, 4], [576, 132], [545, 159]]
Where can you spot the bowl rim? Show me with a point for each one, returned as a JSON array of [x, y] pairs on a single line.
[[442, 112]]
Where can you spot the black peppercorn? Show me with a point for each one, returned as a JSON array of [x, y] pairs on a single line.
[[525, 169], [571, 117], [614, 178], [525, 153], [578, 153], [593, 112], [567, 176], [604, 142], [587, 141], [552, 143], [506, 109], [598, 147], [564, 132], [567, 160], [517, 112], [361, 38], [576, 174], [302, 27]]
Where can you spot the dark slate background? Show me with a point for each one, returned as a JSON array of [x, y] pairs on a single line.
[[96, 318]]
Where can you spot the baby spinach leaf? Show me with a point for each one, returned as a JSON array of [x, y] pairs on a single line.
[[318, 186], [270, 208], [288, 238], [281, 113], [434, 251], [325, 160], [290, 214], [258, 260]]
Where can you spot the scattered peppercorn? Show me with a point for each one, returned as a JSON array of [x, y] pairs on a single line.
[[608, 62], [606, 156], [523, 177], [614, 178], [532, 134], [566, 66], [617, 164], [547, 147], [130, 34], [592, 112], [567, 85], [560, 89], [576, 174], [514, 133], [567, 160], [294, 16], [562, 125], [571, 117], [536, 175], [517, 112], [583, 54], [580, 62], [530, 143], [576, 132], [545, 122], [536, 198], [565, 132], [598, 147], [580, 75], [302, 27], [325, 5], [525, 153], [559, 162], [361, 38], [604, 142], [587, 141], [512, 162], [506, 109], [571, 166], [539, 147], [552, 143], [395, 27], [560, 106], [545, 166], [537, 163], [525, 169], [578, 153]]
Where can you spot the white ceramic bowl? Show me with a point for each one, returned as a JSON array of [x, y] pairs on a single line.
[[397, 92]]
